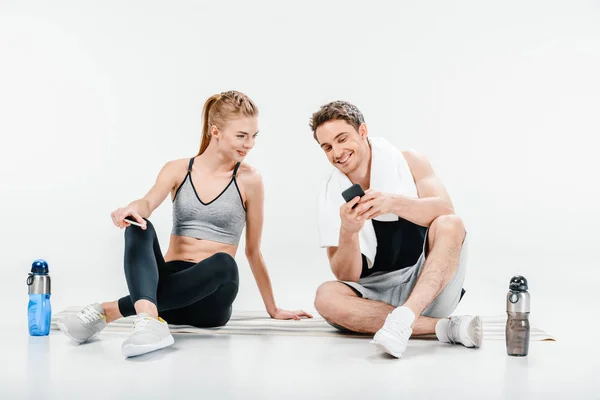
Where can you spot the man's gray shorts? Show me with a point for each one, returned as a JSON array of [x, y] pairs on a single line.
[[394, 287]]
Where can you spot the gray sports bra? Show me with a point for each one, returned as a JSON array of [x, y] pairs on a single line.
[[221, 219]]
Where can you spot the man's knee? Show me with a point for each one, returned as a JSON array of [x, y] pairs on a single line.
[[328, 294], [449, 226]]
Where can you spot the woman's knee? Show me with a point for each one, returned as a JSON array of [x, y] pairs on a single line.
[[224, 318], [226, 263], [226, 266], [221, 305], [220, 318], [134, 233]]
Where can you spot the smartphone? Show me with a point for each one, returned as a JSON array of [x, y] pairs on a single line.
[[132, 221], [352, 192]]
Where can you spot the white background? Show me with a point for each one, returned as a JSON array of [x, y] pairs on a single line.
[[503, 97]]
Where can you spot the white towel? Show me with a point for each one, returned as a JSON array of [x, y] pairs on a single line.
[[389, 174]]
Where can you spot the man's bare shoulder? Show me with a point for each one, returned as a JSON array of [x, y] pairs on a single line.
[[417, 162], [414, 156]]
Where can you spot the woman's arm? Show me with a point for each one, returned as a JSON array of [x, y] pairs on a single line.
[[143, 208], [254, 190]]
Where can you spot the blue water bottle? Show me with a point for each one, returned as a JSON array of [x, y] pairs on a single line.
[[39, 311]]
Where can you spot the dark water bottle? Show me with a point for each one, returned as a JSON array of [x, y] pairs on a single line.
[[39, 311], [517, 324]]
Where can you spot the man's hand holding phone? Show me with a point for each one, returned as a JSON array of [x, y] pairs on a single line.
[[348, 211], [361, 206], [349, 216], [373, 204]]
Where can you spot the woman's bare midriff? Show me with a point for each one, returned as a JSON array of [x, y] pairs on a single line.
[[186, 248]]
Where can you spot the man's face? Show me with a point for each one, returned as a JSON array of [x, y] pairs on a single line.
[[343, 145]]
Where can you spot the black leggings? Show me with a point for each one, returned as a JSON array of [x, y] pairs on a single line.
[[184, 292]]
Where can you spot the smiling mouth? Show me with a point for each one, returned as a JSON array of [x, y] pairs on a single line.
[[242, 153], [344, 160]]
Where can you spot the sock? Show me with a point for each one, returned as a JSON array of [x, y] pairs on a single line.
[[405, 315], [441, 329]]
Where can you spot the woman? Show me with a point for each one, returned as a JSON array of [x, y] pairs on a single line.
[[214, 195]]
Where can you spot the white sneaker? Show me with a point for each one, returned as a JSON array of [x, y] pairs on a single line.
[[393, 336], [84, 325], [148, 335], [464, 329]]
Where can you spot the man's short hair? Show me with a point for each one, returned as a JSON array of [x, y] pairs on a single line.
[[336, 110]]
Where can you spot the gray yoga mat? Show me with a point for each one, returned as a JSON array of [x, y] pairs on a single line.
[[259, 323]]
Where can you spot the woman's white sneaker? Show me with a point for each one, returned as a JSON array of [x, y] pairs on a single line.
[[148, 335], [84, 325]]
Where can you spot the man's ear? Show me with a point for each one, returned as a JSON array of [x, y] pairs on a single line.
[[316, 137], [363, 131]]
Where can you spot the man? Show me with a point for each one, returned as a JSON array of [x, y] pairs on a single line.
[[399, 251]]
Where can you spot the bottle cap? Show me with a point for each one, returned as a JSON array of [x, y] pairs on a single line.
[[39, 266], [518, 284], [517, 298]]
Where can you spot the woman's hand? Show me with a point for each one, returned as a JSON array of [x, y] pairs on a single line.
[[118, 217], [284, 314]]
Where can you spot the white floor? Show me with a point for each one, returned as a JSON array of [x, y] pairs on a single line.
[[285, 367], [278, 367]]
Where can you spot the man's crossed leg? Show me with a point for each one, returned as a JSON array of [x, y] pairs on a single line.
[[433, 298]]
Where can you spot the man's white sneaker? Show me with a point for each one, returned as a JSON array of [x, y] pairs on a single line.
[[394, 334], [464, 329], [84, 325], [148, 335]]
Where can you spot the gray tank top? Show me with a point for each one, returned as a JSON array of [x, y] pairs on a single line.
[[221, 220]]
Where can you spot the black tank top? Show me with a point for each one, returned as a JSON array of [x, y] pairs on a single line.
[[399, 245]]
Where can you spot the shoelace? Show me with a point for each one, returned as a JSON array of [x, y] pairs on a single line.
[[140, 324], [453, 330], [89, 315], [396, 328]]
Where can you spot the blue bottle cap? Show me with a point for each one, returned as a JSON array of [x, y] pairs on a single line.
[[39, 266]]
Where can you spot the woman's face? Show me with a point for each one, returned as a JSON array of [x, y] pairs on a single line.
[[237, 137]]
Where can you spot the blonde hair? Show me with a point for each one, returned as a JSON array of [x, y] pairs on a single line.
[[220, 108]]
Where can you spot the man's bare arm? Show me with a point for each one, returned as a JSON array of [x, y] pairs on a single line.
[[433, 200], [346, 259]]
